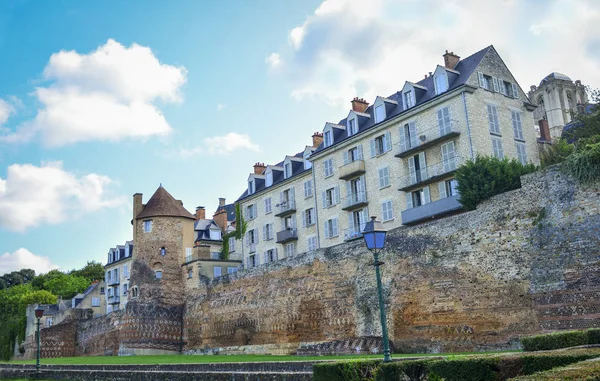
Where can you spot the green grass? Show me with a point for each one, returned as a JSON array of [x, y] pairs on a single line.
[[192, 359]]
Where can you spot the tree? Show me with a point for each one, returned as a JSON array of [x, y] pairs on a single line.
[[585, 124], [91, 271], [66, 286]]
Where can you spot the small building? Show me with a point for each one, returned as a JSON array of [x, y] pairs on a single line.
[[117, 272]]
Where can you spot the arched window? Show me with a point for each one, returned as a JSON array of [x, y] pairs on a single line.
[[163, 251]]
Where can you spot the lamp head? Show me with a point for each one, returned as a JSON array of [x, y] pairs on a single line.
[[374, 234], [39, 312]]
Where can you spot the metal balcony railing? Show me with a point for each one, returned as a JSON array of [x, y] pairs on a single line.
[[285, 207], [431, 173], [425, 138], [354, 232], [355, 200], [287, 235], [113, 282]]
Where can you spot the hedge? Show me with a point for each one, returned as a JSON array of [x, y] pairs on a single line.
[[580, 371], [475, 368], [559, 340]]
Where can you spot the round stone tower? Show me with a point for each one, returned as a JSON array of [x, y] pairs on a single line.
[[162, 231]]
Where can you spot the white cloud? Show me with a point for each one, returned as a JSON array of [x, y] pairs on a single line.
[[6, 109], [31, 196], [273, 60], [221, 107], [221, 145], [344, 50], [109, 94], [25, 259]]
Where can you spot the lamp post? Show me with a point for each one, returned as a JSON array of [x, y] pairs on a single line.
[[39, 312], [374, 235]]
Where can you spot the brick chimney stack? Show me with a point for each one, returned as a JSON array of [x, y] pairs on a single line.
[[544, 130], [317, 139], [221, 201], [450, 60], [259, 168], [200, 213], [137, 208], [220, 218], [359, 104]]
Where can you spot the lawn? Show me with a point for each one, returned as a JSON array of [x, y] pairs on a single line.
[[191, 359]]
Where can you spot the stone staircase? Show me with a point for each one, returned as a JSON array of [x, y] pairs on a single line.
[[361, 345]]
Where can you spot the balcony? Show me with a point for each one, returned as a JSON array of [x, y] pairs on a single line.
[[352, 169], [286, 208], [354, 232], [432, 210], [113, 299], [287, 235], [430, 174], [113, 282], [427, 138], [355, 201]]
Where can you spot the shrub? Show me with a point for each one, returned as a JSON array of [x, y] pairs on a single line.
[[584, 163], [354, 370], [487, 176], [404, 370], [555, 153], [554, 340], [580, 371]]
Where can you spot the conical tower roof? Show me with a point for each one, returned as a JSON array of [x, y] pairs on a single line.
[[162, 204]]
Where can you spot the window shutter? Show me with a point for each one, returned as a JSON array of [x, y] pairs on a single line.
[[364, 216], [324, 193], [293, 221], [326, 229], [413, 97], [502, 87], [265, 232], [514, 123], [360, 152], [373, 151], [381, 183], [388, 141], [426, 195], [335, 227], [440, 115], [402, 139], [348, 189], [423, 165], [515, 90], [337, 194], [292, 195], [412, 128], [495, 83], [255, 235], [442, 189], [304, 219], [350, 220], [346, 160], [409, 203], [481, 80], [411, 169]]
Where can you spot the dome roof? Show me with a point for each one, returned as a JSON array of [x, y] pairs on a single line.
[[556, 75]]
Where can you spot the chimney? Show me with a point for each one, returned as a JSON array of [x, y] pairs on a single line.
[[544, 130], [259, 168], [359, 104], [200, 213], [220, 218], [450, 60], [533, 88], [221, 201], [317, 139], [137, 208]]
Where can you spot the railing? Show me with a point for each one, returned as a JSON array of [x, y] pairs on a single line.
[[351, 169], [355, 199], [113, 282], [115, 299], [354, 232], [286, 207], [431, 210], [425, 138], [431, 173], [287, 235]]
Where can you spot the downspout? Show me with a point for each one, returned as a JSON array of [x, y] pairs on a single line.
[[312, 171], [468, 126]]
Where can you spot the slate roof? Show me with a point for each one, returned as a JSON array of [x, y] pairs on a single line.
[[202, 228], [555, 75], [162, 204], [230, 209]]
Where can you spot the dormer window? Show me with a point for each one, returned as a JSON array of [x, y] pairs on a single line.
[[409, 98], [307, 163], [327, 138], [352, 127], [251, 187], [269, 178], [379, 113], [287, 170], [441, 83]]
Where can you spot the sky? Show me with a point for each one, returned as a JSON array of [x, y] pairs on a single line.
[[103, 99]]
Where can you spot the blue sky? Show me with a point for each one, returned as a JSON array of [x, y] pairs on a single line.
[[103, 99]]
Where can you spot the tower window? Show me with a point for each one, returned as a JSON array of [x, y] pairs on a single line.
[[158, 274], [163, 251]]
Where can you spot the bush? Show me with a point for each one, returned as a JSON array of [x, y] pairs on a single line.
[[584, 163], [354, 370], [404, 370], [555, 153], [580, 371], [554, 340], [487, 176]]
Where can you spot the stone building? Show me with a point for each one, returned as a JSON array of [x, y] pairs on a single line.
[[557, 97], [394, 159], [117, 272]]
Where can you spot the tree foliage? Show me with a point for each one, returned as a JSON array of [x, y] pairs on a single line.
[[16, 278], [91, 271], [238, 233], [486, 176]]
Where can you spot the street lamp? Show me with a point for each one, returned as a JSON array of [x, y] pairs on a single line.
[[39, 312], [374, 235]]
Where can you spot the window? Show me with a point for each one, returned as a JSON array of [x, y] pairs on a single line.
[[379, 113], [163, 251], [290, 249], [49, 321], [95, 302], [517, 125], [287, 170], [409, 99], [269, 179], [328, 166], [353, 154], [408, 136], [252, 236], [231, 244], [331, 228], [493, 119], [448, 188], [418, 198], [270, 255], [251, 211], [147, 226], [327, 138], [158, 274], [215, 234], [268, 205], [188, 254], [125, 271], [497, 148], [444, 122], [381, 144], [441, 83], [448, 157], [308, 217], [312, 243], [108, 276], [331, 197], [289, 222], [509, 89], [125, 288], [217, 271], [352, 127], [522, 153], [251, 187], [110, 293], [190, 273], [384, 177], [101, 290], [417, 168], [486, 81], [386, 210], [232, 270], [307, 163], [215, 255], [268, 232], [308, 189], [252, 261]]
